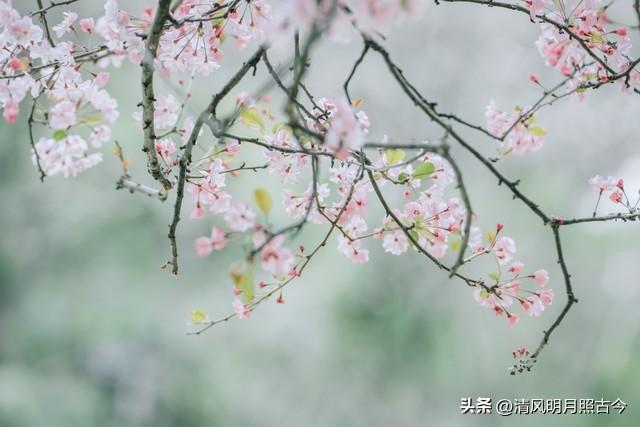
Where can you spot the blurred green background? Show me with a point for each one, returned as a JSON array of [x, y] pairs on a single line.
[[92, 331]]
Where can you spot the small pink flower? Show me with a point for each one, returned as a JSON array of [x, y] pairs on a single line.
[[11, 110], [616, 196], [516, 267], [512, 319], [233, 147], [102, 78], [217, 241], [87, 25], [276, 259], [546, 296], [198, 212], [241, 310], [203, 246], [541, 277]]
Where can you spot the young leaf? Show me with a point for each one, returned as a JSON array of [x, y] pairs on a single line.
[[537, 131], [198, 317], [423, 170], [60, 134], [251, 117], [246, 286], [394, 155], [263, 200]]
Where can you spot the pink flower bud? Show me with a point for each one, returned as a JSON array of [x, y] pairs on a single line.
[[622, 32]]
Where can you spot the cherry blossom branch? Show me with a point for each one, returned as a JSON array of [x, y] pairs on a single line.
[[633, 216], [125, 181], [132, 186], [307, 259], [148, 96], [43, 18], [52, 4], [185, 159], [414, 242], [429, 109], [357, 64], [469, 210], [565, 28], [36, 155], [571, 299]]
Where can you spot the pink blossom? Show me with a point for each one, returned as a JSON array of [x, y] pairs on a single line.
[[63, 115], [165, 148], [504, 250], [65, 26], [217, 241], [521, 134], [516, 267], [541, 277], [512, 319], [233, 147], [11, 110], [276, 259], [353, 250], [240, 217], [600, 184], [87, 25], [166, 113], [546, 296], [395, 242], [616, 196], [102, 78], [99, 135], [241, 310]]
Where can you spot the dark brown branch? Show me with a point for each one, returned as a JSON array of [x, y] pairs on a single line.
[[571, 299], [148, 96], [633, 216], [358, 62], [428, 108]]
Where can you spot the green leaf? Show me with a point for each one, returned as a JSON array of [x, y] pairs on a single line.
[[455, 245], [246, 286], [263, 200], [198, 317], [423, 170], [251, 117], [60, 134], [414, 234], [537, 131], [92, 119], [402, 177], [394, 155], [494, 276]]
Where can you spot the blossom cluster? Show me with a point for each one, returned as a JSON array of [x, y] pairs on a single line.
[[507, 287], [587, 27], [519, 132], [613, 189], [62, 70]]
